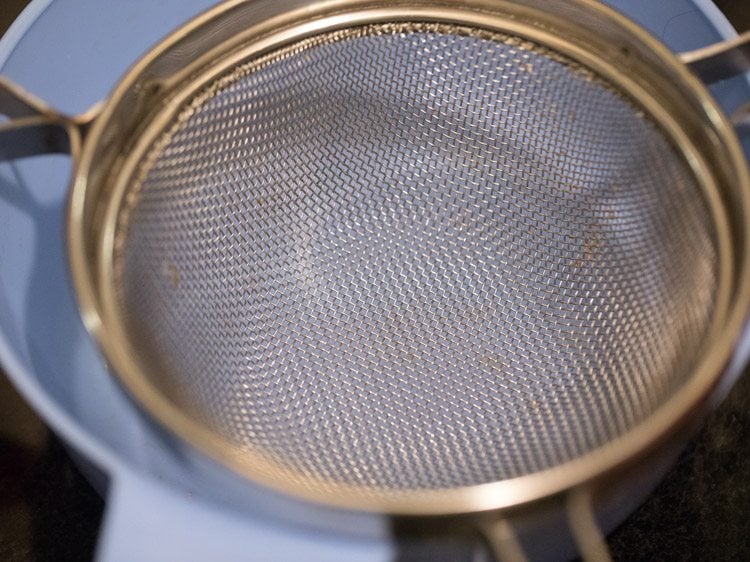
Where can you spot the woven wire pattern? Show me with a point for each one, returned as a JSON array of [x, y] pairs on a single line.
[[416, 256]]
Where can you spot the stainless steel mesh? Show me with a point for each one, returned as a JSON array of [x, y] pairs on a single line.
[[416, 256]]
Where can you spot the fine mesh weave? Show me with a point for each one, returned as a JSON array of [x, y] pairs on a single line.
[[415, 256]]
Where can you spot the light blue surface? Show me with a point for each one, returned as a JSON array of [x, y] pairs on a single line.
[[161, 505]]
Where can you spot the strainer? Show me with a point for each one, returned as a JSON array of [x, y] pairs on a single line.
[[418, 259]]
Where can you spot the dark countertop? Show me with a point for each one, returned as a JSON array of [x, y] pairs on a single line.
[[700, 511]]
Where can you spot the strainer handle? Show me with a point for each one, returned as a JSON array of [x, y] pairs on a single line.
[[505, 546], [35, 128], [721, 60], [587, 533]]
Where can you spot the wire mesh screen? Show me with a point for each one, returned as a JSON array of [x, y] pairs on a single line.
[[415, 256]]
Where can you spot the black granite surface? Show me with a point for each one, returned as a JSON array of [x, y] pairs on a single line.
[[701, 510], [48, 511]]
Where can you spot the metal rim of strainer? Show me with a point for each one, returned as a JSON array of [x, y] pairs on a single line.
[[93, 274]]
